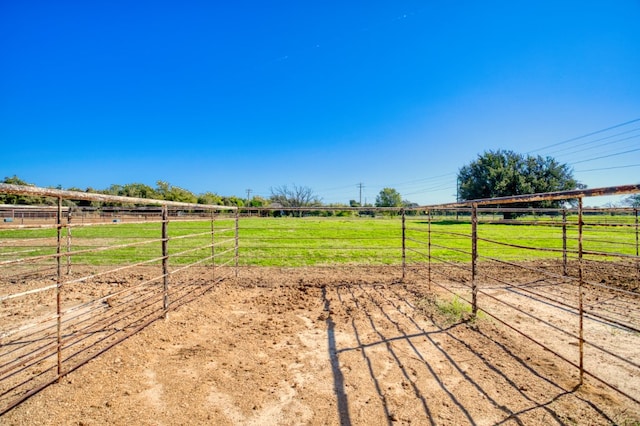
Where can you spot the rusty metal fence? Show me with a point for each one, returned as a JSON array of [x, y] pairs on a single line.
[[79, 281], [566, 279], [81, 276]]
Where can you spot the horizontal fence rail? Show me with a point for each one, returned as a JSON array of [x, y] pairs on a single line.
[[82, 275], [76, 280], [566, 279]]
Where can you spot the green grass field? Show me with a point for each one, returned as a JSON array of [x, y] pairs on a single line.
[[317, 241]]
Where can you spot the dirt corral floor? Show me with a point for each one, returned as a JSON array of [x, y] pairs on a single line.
[[323, 346]]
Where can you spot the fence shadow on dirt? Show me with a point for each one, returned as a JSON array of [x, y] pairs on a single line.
[[423, 367]]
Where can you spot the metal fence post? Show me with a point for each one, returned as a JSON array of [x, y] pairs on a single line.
[[213, 247], [237, 251], [429, 248], [564, 242], [474, 259], [580, 292], [637, 259], [404, 246], [59, 287], [165, 259], [69, 241]]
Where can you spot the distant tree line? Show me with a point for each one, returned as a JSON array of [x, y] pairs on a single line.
[[162, 191], [500, 173], [281, 196]]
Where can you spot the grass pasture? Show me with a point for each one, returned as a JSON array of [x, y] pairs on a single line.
[[320, 241]]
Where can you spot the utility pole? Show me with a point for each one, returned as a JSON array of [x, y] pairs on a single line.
[[360, 185], [248, 201]]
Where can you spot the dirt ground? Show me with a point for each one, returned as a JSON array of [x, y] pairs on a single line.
[[323, 346]]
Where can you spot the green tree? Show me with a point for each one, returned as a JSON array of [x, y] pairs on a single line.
[[173, 193], [135, 190], [632, 200], [15, 180], [210, 198], [257, 201], [138, 190], [19, 199], [505, 173], [113, 189], [233, 201], [388, 197]]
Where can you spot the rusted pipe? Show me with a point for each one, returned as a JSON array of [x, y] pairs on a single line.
[[59, 290], [165, 260], [474, 260], [6, 188], [580, 293]]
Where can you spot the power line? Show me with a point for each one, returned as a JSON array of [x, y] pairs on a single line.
[[602, 149], [586, 135], [599, 140], [608, 168], [440, 182], [605, 156]]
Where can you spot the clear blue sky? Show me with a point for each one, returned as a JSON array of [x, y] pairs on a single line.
[[230, 96]]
